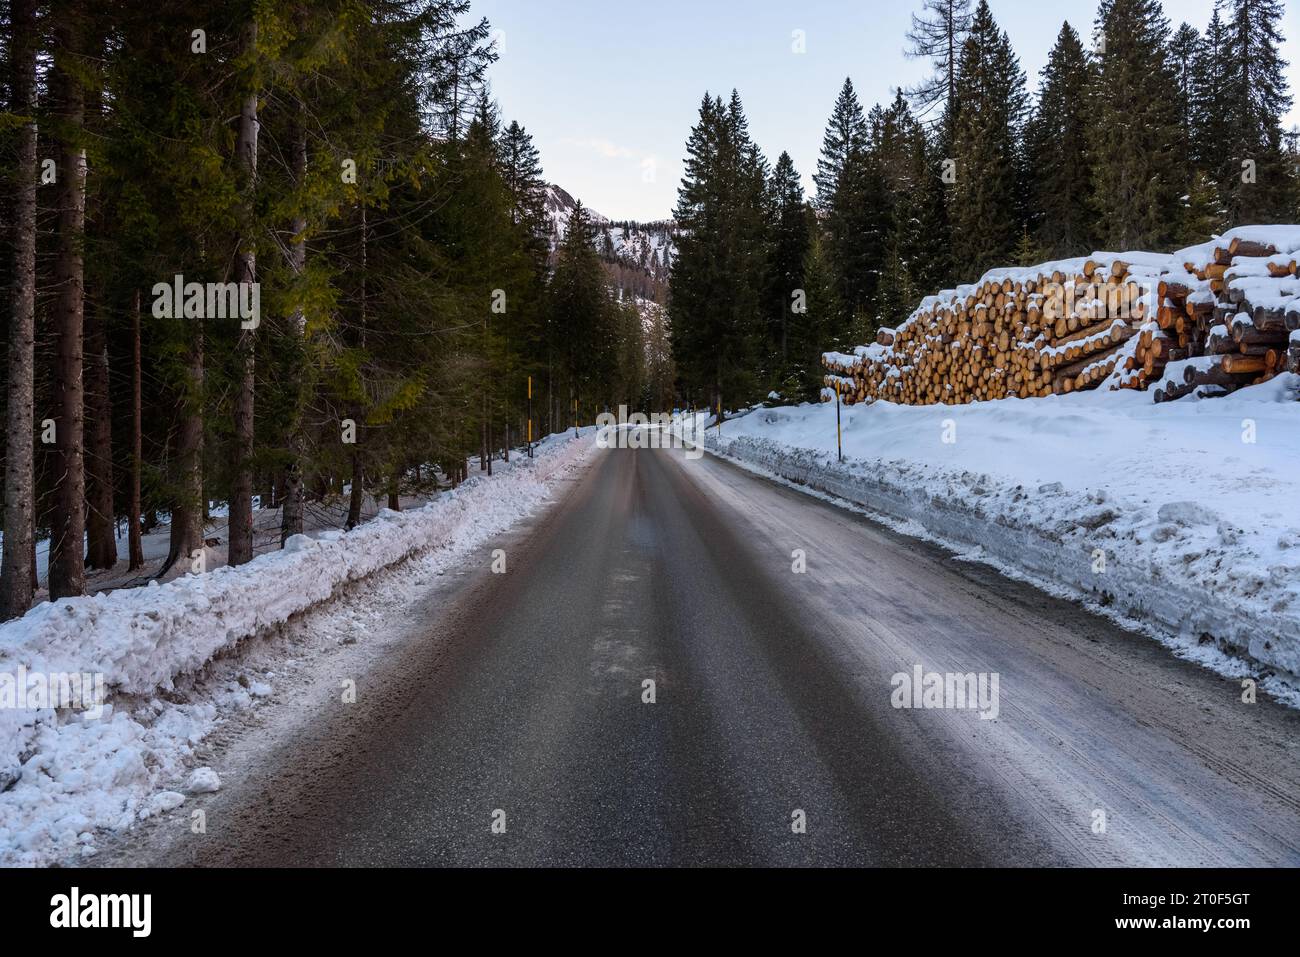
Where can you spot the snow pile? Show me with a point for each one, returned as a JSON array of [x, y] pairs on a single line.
[[1285, 240], [1182, 519], [64, 773]]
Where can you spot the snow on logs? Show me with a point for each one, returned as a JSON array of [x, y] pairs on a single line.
[[1242, 326], [1114, 319]]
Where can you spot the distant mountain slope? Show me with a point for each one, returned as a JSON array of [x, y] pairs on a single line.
[[639, 255]]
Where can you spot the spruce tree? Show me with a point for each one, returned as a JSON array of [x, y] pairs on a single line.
[[719, 278], [521, 168], [1137, 177], [858, 225], [898, 294], [846, 134], [579, 313], [1208, 105], [694, 280], [917, 242], [987, 201], [1184, 47], [1201, 214], [814, 333], [932, 262], [1257, 179], [789, 247], [1056, 147], [852, 199]]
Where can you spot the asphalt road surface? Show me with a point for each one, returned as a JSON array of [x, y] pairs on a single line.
[[523, 704]]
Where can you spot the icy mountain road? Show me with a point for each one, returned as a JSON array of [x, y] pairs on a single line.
[[519, 729]]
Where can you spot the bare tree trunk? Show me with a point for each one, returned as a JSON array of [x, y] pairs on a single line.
[[357, 493], [101, 543], [134, 545], [241, 490], [187, 510], [291, 522], [67, 532], [16, 577], [358, 472]]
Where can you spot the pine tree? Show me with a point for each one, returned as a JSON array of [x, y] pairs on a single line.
[[858, 225], [1028, 252], [1137, 177], [695, 280], [719, 277], [660, 373], [521, 168], [917, 242], [487, 124], [987, 201], [853, 203], [814, 331], [898, 292], [789, 247], [1202, 213], [1207, 108], [931, 258], [1257, 180], [580, 312], [1184, 47], [846, 134], [1056, 147]]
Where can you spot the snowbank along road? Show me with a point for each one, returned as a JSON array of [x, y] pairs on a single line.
[[683, 663]]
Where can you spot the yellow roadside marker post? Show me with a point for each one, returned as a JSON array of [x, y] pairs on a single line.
[[839, 432]]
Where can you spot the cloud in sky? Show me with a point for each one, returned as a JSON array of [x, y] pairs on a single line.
[[605, 148]]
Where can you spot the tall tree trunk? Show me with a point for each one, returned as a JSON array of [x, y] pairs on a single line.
[[291, 522], [241, 489], [16, 579], [187, 509], [134, 546], [357, 491], [67, 532], [101, 543], [358, 473]]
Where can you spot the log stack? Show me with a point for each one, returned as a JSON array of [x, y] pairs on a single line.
[[1243, 327], [1122, 321], [1024, 332]]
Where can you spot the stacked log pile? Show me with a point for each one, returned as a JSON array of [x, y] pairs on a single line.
[[1242, 329], [1025, 332], [1211, 318]]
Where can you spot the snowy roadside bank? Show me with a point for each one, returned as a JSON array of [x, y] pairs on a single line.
[[1180, 520], [63, 775]]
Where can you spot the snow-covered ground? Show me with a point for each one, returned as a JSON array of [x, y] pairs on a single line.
[[65, 774], [1181, 520], [319, 518]]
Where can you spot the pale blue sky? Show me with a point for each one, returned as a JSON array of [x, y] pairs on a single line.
[[610, 88]]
